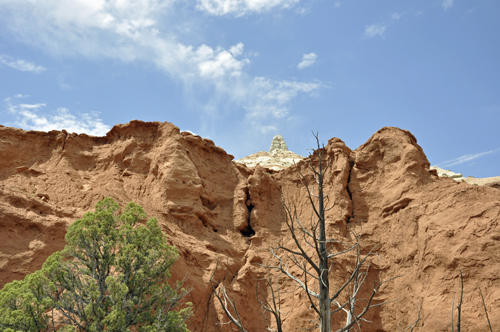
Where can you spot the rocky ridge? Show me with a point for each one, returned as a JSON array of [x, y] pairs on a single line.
[[277, 159], [491, 181], [424, 227]]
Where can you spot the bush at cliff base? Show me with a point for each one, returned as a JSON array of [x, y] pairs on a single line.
[[111, 276]]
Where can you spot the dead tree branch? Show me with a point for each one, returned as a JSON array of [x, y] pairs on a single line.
[[273, 307], [225, 300], [485, 311], [459, 306]]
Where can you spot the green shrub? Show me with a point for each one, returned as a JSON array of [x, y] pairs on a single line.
[[112, 275]]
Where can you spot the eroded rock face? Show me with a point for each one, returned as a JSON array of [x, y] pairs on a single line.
[[214, 209], [278, 143], [493, 182], [446, 173], [277, 159]]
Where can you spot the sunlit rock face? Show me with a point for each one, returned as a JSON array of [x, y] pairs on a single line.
[[278, 143], [276, 159], [223, 217], [447, 173], [493, 182]]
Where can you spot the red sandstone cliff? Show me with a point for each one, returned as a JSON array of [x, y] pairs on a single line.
[[424, 227]]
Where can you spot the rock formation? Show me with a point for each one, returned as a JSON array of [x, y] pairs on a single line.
[[447, 173], [278, 143], [425, 228], [276, 159], [491, 181]]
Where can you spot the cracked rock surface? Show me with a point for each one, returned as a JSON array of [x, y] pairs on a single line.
[[213, 209]]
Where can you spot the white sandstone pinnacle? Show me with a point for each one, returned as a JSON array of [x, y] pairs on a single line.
[[278, 143], [277, 158]]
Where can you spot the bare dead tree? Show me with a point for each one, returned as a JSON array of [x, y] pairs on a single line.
[[485, 311], [316, 267], [413, 325], [360, 275], [226, 300], [459, 306], [228, 304], [274, 305]]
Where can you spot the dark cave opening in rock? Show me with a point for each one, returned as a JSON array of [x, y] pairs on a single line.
[[248, 231]]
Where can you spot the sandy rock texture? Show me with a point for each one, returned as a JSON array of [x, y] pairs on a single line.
[[423, 227], [277, 159], [490, 182], [278, 143]]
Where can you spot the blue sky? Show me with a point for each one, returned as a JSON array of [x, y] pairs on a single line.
[[241, 71]]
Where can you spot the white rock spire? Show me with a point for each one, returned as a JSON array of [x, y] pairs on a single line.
[[278, 143]]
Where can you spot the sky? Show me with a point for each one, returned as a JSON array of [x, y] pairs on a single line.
[[241, 71]]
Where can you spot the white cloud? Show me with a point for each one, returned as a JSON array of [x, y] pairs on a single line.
[[242, 7], [337, 4], [307, 60], [19, 95], [396, 16], [216, 63], [21, 65], [374, 30], [128, 30], [266, 129], [274, 97], [302, 10], [30, 117], [466, 158], [237, 49], [447, 4], [62, 84]]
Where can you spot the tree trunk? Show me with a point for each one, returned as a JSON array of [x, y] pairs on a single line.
[[324, 282], [324, 298]]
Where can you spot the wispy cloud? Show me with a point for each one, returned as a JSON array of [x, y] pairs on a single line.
[[447, 4], [307, 60], [266, 129], [131, 31], [274, 97], [337, 4], [242, 7], [21, 64], [32, 117], [396, 16], [466, 158], [374, 30]]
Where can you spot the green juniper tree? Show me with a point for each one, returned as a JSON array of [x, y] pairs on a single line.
[[24, 304], [111, 276]]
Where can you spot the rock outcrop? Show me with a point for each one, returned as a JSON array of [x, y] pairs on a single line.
[[278, 143], [493, 182], [423, 227], [446, 173], [276, 159]]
